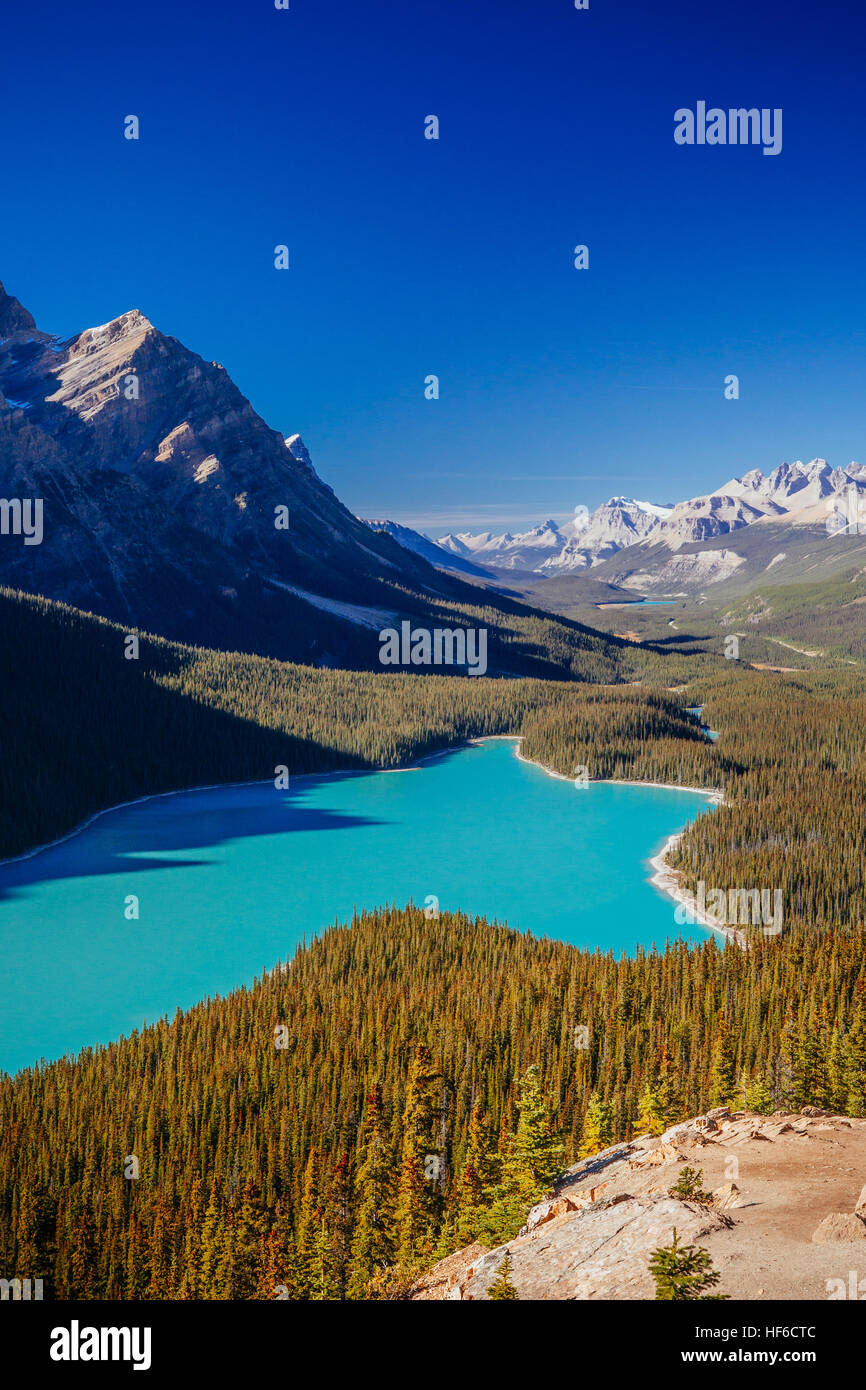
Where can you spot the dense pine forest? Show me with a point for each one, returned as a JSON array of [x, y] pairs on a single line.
[[92, 728], [791, 760], [404, 1086], [400, 1088]]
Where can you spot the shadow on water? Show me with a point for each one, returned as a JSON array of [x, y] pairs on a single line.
[[177, 826]]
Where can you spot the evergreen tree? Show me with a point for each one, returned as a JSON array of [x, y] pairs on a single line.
[[373, 1243], [536, 1152], [309, 1243], [502, 1287], [855, 1060], [531, 1162], [597, 1127], [688, 1187], [723, 1077], [214, 1249], [339, 1209], [650, 1114], [757, 1095], [479, 1175], [417, 1193], [683, 1273]]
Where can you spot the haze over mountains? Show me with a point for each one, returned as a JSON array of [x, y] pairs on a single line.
[[171, 505], [682, 545]]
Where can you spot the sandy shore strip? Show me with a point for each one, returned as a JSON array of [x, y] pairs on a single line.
[[667, 881], [664, 877]]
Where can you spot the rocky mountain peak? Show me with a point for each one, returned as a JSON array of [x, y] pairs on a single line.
[[14, 318]]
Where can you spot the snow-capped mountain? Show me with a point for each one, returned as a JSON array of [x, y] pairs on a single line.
[[583, 541], [793, 486], [525, 551], [430, 550], [620, 522], [793, 491]]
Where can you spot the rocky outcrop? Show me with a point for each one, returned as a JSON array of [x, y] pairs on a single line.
[[775, 1182]]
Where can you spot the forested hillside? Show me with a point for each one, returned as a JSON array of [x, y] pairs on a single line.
[[791, 759], [402, 1086], [92, 728]]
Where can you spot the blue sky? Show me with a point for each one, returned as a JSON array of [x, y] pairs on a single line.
[[409, 257]]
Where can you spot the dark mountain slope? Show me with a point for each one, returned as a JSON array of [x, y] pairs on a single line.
[[164, 500]]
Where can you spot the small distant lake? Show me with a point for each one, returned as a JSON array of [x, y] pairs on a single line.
[[232, 879]]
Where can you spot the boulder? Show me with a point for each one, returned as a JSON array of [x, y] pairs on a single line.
[[728, 1195], [839, 1226]]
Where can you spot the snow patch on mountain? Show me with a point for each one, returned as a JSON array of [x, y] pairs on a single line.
[[799, 492]]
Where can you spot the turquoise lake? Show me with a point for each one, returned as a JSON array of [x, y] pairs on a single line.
[[229, 881]]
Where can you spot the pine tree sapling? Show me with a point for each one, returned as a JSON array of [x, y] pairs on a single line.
[[502, 1287], [683, 1273]]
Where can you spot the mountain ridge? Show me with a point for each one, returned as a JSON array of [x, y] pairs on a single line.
[[170, 506]]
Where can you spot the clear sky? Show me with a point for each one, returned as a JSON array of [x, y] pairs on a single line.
[[411, 257]]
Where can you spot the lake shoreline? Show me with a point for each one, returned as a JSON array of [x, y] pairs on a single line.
[[665, 878]]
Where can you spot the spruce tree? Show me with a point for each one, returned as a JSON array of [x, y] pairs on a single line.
[[683, 1273], [373, 1239], [502, 1287], [723, 1076], [536, 1153], [531, 1162], [757, 1095], [478, 1177], [417, 1192], [855, 1060], [597, 1127], [650, 1111]]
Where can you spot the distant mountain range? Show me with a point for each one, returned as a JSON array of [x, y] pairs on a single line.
[[678, 546]]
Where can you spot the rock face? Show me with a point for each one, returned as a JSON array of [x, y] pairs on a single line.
[[161, 488], [639, 544], [774, 1182]]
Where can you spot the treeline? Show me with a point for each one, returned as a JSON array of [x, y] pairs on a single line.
[[400, 1088], [792, 756], [88, 728], [828, 617], [791, 759]]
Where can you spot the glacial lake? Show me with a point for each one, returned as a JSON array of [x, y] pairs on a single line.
[[230, 880]]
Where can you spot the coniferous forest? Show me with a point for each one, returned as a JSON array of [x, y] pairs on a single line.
[[404, 1086], [400, 1088]]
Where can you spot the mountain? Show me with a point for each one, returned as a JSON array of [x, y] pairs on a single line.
[[618, 523], [161, 490], [431, 551], [577, 544], [524, 551], [169, 505], [786, 515], [792, 486]]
